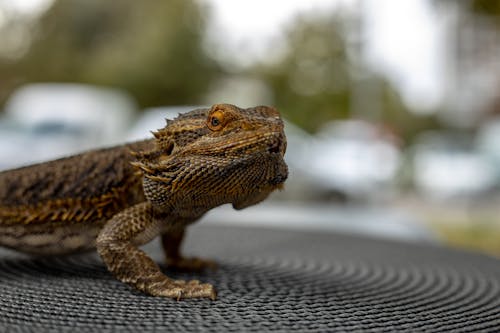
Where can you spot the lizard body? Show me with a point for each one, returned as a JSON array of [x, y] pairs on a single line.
[[116, 199]]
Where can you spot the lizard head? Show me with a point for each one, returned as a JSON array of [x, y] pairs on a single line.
[[223, 154]]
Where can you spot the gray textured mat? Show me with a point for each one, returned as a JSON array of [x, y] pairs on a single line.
[[268, 280]]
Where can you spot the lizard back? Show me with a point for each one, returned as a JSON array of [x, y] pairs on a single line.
[[88, 187]]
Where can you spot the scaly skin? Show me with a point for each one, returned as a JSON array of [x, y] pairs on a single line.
[[119, 198]]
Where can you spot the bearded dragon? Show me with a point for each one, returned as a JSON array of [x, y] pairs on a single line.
[[117, 199]]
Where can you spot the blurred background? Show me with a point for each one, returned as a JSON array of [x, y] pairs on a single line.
[[392, 108]]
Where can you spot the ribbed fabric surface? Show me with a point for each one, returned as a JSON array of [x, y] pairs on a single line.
[[268, 280]]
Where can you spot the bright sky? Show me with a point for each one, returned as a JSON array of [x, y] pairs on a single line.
[[255, 26], [403, 37], [25, 6], [405, 42]]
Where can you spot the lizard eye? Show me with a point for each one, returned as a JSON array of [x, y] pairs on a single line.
[[216, 121]]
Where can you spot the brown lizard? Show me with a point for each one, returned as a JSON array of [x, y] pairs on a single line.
[[116, 199]]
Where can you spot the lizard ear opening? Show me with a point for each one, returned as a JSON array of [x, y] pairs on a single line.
[[169, 148]]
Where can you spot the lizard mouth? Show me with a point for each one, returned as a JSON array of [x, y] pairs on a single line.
[[274, 149], [278, 179], [280, 173]]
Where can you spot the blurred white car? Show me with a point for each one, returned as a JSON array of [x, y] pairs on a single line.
[[447, 165], [354, 158], [45, 121], [20, 144], [488, 144]]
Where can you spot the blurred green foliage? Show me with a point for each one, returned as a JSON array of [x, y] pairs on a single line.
[[474, 236], [153, 49], [319, 79], [311, 83], [486, 7]]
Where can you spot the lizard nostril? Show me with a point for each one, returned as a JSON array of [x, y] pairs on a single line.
[[275, 148]]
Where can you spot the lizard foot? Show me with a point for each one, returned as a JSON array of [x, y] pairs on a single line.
[[191, 264], [180, 289]]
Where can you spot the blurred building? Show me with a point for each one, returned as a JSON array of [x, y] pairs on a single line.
[[472, 63]]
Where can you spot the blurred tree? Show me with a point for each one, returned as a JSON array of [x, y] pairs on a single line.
[[321, 78], [150, 48], [311, 83], [482, 7], [473, 68], [487, 7]]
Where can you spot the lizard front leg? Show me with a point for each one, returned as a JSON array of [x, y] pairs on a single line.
[[171, 242], [118, 243]]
